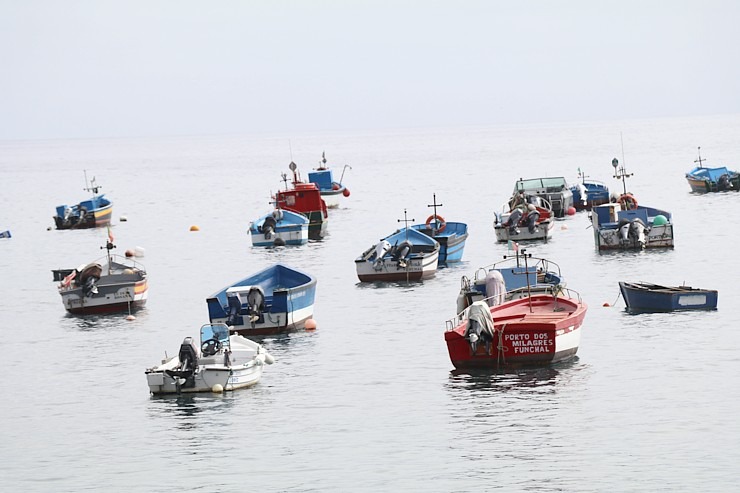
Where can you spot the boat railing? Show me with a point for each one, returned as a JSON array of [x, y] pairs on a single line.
[[519, 293]]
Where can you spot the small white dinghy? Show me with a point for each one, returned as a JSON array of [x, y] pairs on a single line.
[[222, 362]]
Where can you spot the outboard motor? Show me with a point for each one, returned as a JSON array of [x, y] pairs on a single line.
[[724, 183], [268, 227], [637, 230], [188, 355], [256, 303], [624, 228], [400, 253], [533, 216], [513, 222], [235, 307], [89, 276], [479, 327], [583, 193], [381, 249]]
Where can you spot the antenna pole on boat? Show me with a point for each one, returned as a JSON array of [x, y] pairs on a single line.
[[435, 205], [621, 173], [108, 247], [526, 275], [699, 160]]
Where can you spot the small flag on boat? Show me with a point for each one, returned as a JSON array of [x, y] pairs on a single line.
[[110, 234], [513, 245]]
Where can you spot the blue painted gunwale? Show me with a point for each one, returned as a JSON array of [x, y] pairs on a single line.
[[451, 240]]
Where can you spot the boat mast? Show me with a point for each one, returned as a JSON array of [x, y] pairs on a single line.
[[435, 205], [621, 173], [91, 186], [406, 226], [699, 160]]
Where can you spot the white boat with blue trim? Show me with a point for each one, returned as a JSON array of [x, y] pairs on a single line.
[[222, 362], [274, 300]]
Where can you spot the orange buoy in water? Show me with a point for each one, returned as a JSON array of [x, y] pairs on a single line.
[[310, 324], [346, 192], [194, 228], [606, 304]]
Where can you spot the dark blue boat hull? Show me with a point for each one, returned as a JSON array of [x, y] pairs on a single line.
[[645, 297]]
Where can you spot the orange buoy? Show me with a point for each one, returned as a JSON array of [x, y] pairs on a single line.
[[311, 324], [571, 210], [346, 192], [194, 228], [606, 304]]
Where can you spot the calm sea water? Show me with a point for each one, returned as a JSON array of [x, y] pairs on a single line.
[[369, 401]]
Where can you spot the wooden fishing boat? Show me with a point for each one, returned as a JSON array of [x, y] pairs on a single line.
[[405, 255], [588, 193], [274, 300], [92, 213], [704, 180], [649, 297], [279, 227], [304, 198], [112, 284], [536, 330], [626, 225]]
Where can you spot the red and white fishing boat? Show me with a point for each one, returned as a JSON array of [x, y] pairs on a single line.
[[304, 198], [535, 330]]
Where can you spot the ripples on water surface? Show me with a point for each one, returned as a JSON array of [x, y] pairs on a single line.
[[369, 401]]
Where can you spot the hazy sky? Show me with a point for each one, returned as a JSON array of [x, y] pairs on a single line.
[[107, 68]]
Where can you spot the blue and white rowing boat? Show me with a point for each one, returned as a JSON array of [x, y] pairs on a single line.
[[279, 227], [273, 300]]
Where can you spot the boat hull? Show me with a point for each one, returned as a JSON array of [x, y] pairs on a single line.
[[596, 194], [642, 297], [229, 378], [293, 236], [237, 364], [549, 333], [110, 298], [418, 267], [92, 219], [708, 180], [451, 240], [332, 197], [543, 232]]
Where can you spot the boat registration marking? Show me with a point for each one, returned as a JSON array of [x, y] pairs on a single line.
[[692, 300]]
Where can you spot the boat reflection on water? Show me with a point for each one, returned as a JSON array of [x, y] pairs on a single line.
[[188, 410], [513, 380]]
